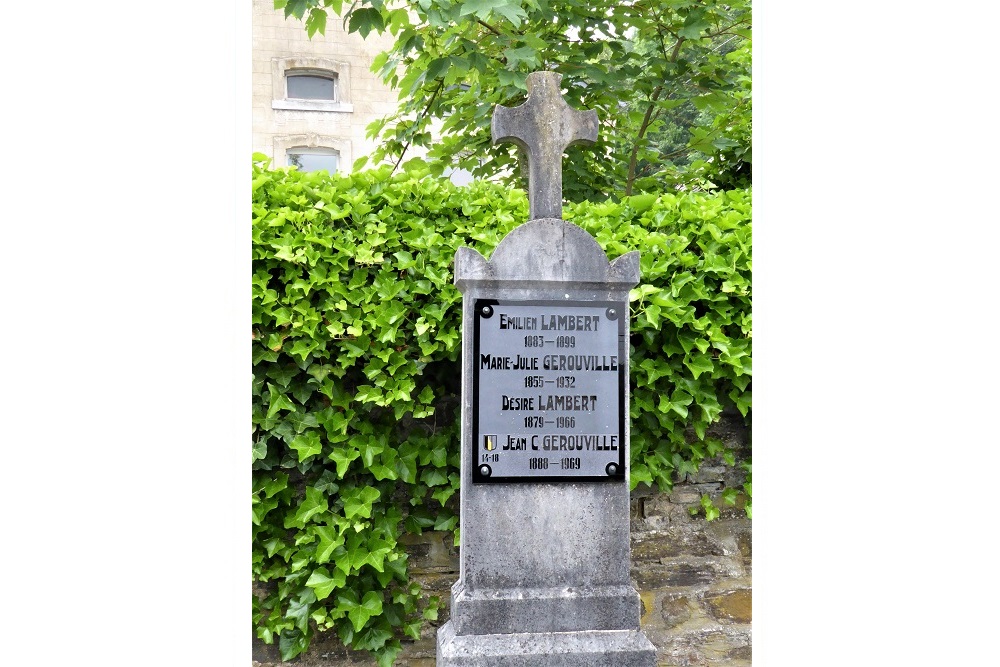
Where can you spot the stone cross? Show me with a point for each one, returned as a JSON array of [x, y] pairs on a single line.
[[544, 126], [544, 575]]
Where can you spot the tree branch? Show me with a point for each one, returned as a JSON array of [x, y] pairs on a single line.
[[633, 158], [646, 120], [489, 27], [416, 122], [725, 31]]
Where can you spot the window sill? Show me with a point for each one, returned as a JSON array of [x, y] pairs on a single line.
[[312, 105]]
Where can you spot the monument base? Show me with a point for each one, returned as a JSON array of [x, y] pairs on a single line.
[[533, 610], [590, 648]]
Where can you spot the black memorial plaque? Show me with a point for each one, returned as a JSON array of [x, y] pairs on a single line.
[[548, 391]]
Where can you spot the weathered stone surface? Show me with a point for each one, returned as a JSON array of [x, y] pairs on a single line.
[[716, 646], [712, 648], [676, 610], [515, 609], [611, 648], [675, 543], [648, 601], [679, 575], [422, 662], [543, 127], [433, 551], [740, 653], [539, 253], [555, 558], [745, 542], [731, 607], [544, 566]]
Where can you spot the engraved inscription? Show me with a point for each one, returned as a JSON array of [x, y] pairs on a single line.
[[549, 389]]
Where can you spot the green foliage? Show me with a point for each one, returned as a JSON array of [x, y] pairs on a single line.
[[669, 79], [691, 321], [356, 391]]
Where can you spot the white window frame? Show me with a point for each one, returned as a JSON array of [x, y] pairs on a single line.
[[285, 142], [323, 151], [341, 72]]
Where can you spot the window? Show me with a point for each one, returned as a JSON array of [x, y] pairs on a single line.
[[313, 159], [306, 83], [312, 152]]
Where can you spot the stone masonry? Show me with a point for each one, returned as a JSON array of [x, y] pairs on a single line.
[[693, 577], [365, 97]]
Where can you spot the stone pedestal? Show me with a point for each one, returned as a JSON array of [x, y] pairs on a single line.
[[544, 565]]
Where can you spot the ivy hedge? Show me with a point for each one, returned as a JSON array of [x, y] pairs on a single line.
[[356, 390]]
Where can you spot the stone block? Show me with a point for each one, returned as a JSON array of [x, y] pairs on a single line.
[[731, 607], [676, 610], [745, 542], [654, 547], [678, 575], [431, 551], [611, 648]]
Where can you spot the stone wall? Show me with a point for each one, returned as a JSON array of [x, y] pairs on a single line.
[[693, 576]]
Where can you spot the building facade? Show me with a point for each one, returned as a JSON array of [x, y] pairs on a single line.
[[314, 98]]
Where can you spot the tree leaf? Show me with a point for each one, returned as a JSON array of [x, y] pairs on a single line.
[[365, 20]]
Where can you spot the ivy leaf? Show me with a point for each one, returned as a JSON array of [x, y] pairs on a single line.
[[433, 477], [261, 508], [374, 638], [323, 583], [370, 606], [314, 503], [711, 511], [292, 642], [378, 549], [277, 483], [343, 456], [639, 473], [326, 483], [406, 468], [298, 609], [445, 522], [306, 445], [359, 503], [259, 450], [329, 539], [743, 401], [369, 450], [277, 401], [677, 402], [386, 656], [698, 364], [355, 555]]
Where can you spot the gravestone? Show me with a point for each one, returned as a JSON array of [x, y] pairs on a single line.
[[544, 555]]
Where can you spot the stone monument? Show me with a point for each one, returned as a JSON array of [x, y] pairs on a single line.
[[544, 556]]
